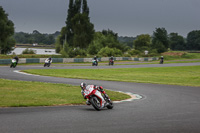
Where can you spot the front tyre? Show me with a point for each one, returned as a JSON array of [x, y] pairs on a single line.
[[95, 103], [110, 106]]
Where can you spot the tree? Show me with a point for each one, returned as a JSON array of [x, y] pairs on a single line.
[[83, 31], [79, 31], [6, 32], [176, 42], [68, 34], [160, 40], [142, 42], [193, 40]]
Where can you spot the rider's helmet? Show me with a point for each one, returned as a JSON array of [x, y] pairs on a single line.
[[83, 85], [100, 87]]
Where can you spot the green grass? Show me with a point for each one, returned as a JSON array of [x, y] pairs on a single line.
[[182, 57], [24, 93], [185, 75]]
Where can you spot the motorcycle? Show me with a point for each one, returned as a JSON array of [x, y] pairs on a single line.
[[13, 63], [47, 63], [98, 100], [94, 62], [111, 62]]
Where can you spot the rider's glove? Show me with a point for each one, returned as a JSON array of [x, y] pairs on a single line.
[[106, 95]]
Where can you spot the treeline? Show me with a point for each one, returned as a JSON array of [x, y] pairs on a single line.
[[161, 41], [79, 39], [35, 37], [126, 40]]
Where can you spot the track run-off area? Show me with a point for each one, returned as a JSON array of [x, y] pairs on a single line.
[[162, 108]]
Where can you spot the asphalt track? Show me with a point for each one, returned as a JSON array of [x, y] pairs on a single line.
[[163, 108]]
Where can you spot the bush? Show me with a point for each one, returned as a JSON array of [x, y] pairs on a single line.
[[126, 55], [28, 51], [134, 52], [77, 52], [107, 52]]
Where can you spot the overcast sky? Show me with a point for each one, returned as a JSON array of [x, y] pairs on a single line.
[[125, 17]]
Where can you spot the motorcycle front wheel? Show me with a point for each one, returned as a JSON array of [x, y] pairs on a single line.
[[95, 103], [110, 106]]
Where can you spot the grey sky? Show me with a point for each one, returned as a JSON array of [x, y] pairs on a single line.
[[125, 17]]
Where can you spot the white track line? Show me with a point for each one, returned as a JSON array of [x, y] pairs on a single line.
[[17, 71], [133, 97]]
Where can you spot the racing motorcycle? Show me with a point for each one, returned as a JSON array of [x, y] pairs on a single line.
[[97, 99], [47, 63], [111, 62], [13, 63], [94, 62]]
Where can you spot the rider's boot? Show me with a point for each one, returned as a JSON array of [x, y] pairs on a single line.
[[88, 102], [106, 104]]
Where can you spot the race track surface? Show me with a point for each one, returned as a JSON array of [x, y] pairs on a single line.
[[163, 108]]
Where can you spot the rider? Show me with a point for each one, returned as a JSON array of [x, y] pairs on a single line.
[[85, 87], [17, 59], [95, 58], [161, 59], [111, 57], [50, 60]]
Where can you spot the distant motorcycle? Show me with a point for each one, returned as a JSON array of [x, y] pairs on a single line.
[[13, 63], [111, 62], [94, 62], [95, 97], [47, 63]]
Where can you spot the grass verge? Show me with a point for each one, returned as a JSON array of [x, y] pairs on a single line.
[[25, 93], [184, 75]]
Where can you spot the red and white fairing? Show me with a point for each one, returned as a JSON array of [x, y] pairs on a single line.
[[91, 91]]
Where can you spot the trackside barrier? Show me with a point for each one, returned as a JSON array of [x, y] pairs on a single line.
[[5, 61], [67, 60]]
